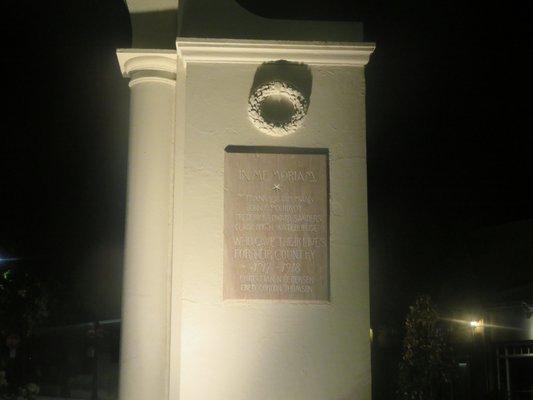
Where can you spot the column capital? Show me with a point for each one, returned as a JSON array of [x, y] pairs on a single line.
[[146, 65]]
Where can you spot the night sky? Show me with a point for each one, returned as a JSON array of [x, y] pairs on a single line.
[[448, 132]]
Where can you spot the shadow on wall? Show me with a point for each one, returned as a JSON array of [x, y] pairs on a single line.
[[158, 29], [229, 19], [154, 30]]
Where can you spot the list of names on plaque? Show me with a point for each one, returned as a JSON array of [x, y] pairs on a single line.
[[276, 226]]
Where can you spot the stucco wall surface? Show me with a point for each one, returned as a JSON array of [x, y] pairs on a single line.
[[266, 350]]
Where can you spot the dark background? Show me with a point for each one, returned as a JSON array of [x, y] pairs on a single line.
[[448, 132], [63, 147]]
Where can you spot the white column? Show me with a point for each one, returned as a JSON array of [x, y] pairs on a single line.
[[144, 359]]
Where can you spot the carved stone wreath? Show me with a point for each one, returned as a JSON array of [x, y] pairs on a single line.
[[279, 89]]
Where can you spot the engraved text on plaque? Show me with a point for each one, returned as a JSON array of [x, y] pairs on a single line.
[[276, 226]]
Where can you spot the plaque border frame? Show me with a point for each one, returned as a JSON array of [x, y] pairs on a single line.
[[286, 150]]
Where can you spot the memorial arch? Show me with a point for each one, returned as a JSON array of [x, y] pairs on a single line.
[[211, 308]]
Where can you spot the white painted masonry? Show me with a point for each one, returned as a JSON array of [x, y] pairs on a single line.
[[189, 344]]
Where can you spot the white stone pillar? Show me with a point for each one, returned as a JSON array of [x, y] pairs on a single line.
[[241, 349], [144, 359]]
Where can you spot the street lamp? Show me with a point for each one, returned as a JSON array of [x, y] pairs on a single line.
[[4, 259], [476, 324]]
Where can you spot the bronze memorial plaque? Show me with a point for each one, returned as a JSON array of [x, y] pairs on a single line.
[[276, 226]]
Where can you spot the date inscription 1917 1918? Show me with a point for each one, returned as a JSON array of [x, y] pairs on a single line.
[[276, 226]]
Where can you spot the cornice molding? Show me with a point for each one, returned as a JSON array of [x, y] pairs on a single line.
[[135, 60], [192, 50]]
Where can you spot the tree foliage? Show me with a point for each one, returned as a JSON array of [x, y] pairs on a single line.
[[426, 367], [25, 302]]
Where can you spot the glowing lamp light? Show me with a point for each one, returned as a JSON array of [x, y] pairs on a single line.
[[6, 259], [476, 324]]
